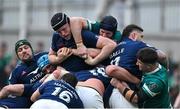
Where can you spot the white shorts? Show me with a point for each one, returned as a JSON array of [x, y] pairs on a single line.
[[117, 100], [47, 104], [90, 97]]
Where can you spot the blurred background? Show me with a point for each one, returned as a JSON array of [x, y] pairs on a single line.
[[30, 19]]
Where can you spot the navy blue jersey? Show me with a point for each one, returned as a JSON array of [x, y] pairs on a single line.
[[124, 56], [60, 91], [29, 89], [98, 73], [27, 73], [74, 63], [24, 73]]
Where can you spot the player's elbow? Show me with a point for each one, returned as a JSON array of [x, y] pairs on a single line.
[[33, 98], [8, 88], [110, 69], [112, 45], [162, 58]]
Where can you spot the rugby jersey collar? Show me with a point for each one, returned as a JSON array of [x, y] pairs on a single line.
[[158, 68]]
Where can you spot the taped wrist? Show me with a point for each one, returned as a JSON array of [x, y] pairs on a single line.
[[125, 91], [132, 96], [80, 43], [129, 94]]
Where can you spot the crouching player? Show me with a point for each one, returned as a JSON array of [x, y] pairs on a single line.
[[57, 94], [28, 89]]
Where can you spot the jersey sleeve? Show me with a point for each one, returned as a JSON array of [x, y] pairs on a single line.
[[41, 88], [27, 90], [93, 26], [13, 78], [142, 44], [152, 87], [53, 43], [89, 39], [147, 45], [117, 36]]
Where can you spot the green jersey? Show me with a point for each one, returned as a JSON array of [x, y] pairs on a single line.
[[155, 85], [95, 27]]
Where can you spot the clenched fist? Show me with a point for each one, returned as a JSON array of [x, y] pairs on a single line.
[[64, 53]]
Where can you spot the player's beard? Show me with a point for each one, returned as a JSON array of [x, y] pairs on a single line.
[[27, 58]]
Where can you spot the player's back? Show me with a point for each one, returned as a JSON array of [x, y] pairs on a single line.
[[124, 55], [60, 91], [97, 72]]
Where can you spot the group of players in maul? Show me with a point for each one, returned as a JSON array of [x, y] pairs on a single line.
[[89, 65]]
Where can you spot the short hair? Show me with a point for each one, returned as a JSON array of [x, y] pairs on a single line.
[[70, 78], [147, 55], [128, 29]]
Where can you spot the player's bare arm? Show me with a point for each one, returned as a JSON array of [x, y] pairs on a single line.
[[76, 25], [107, 46], [35, 95], [60, 56], [15, 89]]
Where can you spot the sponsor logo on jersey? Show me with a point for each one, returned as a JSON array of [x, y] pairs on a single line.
[[23, 73], [33, 72]]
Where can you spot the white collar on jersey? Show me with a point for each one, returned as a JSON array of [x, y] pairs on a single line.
[[158, 68]]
